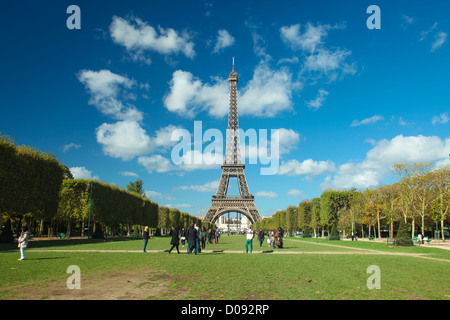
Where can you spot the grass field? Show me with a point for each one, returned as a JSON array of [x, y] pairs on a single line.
[[303, 269]]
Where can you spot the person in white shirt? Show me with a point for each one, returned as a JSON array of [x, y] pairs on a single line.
[[249, 241]]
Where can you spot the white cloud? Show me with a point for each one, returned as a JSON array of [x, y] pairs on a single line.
[[123, 139], [224, 39], [207, 187], [424, 34], [287, 140], [365, 121], [156, 163], [328, 64], [267, 94], [308, 167], [307, 41], [439, 37], [70, 146], [178, 206], [319, 61], [266, 194], [439, 40], [317, 103], [296, 193], [128, 174], [154, 194], [137, 37], [190, 161], [407, 20], [82, 173], [106, 90], [378, 163], [189, 95], [442, 118]]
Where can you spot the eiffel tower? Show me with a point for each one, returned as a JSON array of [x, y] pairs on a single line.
[[233, 168]]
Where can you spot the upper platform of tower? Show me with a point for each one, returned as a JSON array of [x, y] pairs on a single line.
[[233, 74]]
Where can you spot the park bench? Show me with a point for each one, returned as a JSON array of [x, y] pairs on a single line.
[[371, 237], [61, 235]]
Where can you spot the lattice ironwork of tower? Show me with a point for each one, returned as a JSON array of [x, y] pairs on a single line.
[[233, 168]]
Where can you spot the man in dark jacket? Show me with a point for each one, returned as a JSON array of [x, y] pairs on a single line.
[[191, 236]]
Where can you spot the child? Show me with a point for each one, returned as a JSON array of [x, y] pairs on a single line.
[[269, 241], [23, 242]]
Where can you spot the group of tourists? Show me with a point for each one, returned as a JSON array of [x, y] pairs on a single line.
[[274, 238], [195, 236]]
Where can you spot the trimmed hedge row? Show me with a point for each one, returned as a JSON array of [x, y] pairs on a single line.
[[111, 205], [30, 181]]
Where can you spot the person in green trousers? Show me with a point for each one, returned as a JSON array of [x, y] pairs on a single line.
[[249, 241]]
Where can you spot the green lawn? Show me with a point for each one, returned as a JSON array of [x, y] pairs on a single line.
[[316, 269]]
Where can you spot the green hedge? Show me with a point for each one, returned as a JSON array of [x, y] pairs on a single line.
[[111, 205], [30, 181]]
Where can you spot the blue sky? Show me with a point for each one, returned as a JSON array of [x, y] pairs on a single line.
[[348, 101]]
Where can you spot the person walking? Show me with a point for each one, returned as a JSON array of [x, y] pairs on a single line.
[[199, 238], [249, 240], [210, 236], [217, 235], [261, 237], [23, 242], [191, 236], [203, 238], [146, 236], [175, 242]]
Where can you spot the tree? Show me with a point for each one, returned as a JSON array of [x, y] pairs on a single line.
[[137, 186], [291, 220], [409, 188], [304, 214], [403, 238], [425, 196], [390, 197], [315, 216], [371, 206], [331, 203], [441, 181]]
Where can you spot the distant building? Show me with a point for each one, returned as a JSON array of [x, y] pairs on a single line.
[[233, 225]]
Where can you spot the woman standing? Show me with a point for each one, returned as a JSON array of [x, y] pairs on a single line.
[[23, 242], [175, 242], [146, 236]]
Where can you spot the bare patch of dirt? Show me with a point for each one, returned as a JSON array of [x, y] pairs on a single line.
[[136, 284]]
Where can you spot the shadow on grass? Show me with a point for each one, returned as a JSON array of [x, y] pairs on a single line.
[[39, 244], [48, 258]]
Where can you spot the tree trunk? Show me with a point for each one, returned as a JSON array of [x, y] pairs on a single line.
[[392, 229], [41, 227], [378, 219], [413, 223], [83, 232], [442, 230]]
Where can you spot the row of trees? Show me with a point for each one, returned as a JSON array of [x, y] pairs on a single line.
[[421, 199], [39, 191]]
